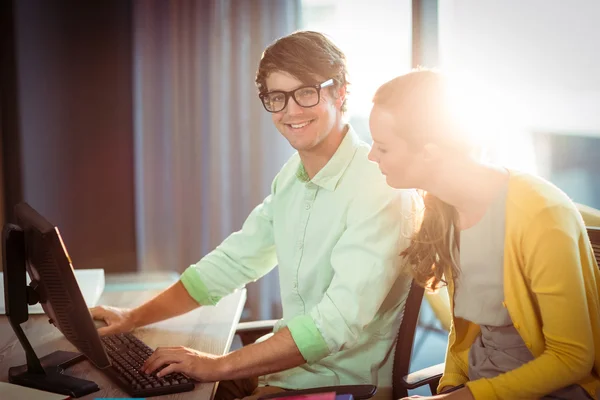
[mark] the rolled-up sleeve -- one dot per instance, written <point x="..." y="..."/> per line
<point x="366" y="264"/>
<point x="243" y="257"/>
<point x="308" y="338"/>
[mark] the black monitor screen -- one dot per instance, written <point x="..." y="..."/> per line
<point x="51" y="273"/>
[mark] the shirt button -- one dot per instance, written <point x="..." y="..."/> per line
<point x="504" y="304"/>
<point x="307" y="206"/>
<point x="295" y="285"/>
<point x="300" y="246"/>
<point x="517" y="326"/>
<point x="528" y="345"/>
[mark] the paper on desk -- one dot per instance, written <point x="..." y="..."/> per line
<point x="15" y="392"/>
<point x="90" y="281"/>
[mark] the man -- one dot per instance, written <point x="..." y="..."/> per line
<point x="332" y="225"/>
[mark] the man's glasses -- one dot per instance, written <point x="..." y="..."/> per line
<point x="305" y="96"/>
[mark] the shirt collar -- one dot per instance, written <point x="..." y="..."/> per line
<point x="329" y="176"/>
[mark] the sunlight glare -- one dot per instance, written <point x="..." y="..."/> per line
<point x="492" y="120"/>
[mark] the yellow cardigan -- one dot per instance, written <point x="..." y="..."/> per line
<point x="551" y="291"/>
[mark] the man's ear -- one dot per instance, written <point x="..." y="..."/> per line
<point x="340" y="96"/>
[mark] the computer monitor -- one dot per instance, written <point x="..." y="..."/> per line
<point x="34" y="246"/>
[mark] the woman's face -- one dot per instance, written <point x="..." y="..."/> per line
<point x="402" y="165"/>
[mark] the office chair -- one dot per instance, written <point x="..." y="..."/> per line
<point x="431" y="376"/>
<point x="590" y="215"/>
<point x="594" y="234"/>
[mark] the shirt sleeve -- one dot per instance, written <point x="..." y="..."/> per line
<point x="553" y="256"/>
<point x="454" y="368"/>
<point x="366" y="265"/>
<point x="243" y="257"/>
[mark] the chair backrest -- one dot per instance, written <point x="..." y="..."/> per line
<point x="594" y="235"/>
<point x="405" y="339"/>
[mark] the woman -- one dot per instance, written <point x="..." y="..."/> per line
<point x="511" y="247"/>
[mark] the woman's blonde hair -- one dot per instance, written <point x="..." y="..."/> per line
<point x="421" y="94"/>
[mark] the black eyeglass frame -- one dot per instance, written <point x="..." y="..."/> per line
<point x="292" y="93"/>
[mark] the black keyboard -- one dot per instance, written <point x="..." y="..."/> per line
<point x="127" y="355"/>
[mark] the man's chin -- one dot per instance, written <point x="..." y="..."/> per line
<point x="301" y="146"/>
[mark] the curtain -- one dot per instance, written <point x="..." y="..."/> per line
<point x="205" y="149"/>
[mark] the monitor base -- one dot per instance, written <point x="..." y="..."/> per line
<point x="54" y="379"/>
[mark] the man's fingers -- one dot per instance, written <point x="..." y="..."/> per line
<point x="168" y="369"/>
<point x="155" y="362"/>
<point x="159" y="362"/>
<point x="108" y="330"/>
<point x="159" y="352"/>
<point x="98" y="312"/>
<point x="150" y="360"/>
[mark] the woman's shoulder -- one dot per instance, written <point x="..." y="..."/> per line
<point x="532" y="198"/>
<point x="533" y="192"/>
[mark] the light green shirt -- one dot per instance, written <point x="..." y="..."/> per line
<point x="336" y="239"/>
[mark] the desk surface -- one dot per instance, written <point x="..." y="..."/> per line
<point x="209" y="329"/>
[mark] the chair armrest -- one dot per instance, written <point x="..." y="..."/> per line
<point x="252" y="326"/>
<point x="427" y="376"/>
<point x="249" y="332"/>
<point x="358" y="392"/>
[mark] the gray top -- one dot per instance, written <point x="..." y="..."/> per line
<point x="500" y="349"/>
<point x="481" y="265"/>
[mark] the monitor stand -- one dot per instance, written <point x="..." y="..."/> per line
<point x="51" y="377"/>
<point x="46" y="373"/>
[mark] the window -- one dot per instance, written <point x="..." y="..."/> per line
<point x="376" y="38"/>
<point x="535" y="56"/>
<point x="571" y="162"/>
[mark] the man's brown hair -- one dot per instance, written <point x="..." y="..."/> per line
<point x="308" y="56"/>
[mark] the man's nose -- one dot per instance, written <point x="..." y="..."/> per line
<point x="293" y="108"/>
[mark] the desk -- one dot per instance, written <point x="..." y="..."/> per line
<point x="209" y="329"/>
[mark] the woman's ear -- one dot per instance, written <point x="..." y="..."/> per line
<point x="431" y="153"/>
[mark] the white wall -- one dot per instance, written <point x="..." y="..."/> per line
<point x="544" y="53"/>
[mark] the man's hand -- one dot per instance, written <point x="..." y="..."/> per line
<point x="277" y="353"/>
<point x="170" y="303"/>
<point x="199" y="366"/>
<point x="118" y="320"/>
